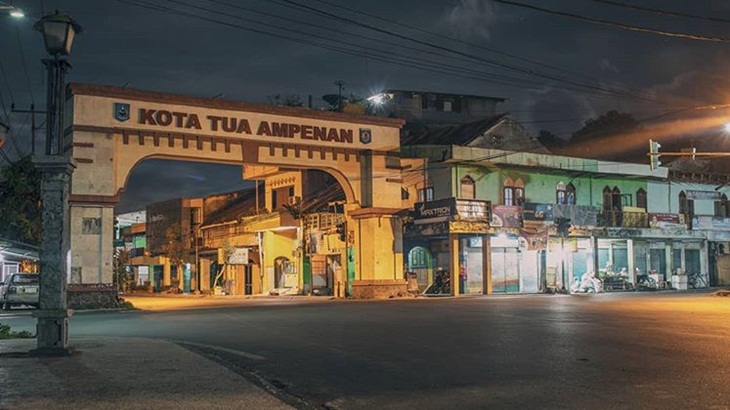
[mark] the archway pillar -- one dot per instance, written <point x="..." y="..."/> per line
<point x="377" y="237"/>
<point x="92" y="236"/>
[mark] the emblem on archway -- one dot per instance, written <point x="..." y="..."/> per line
<point x="366" y="136"/>
<point x="121" y="112"/>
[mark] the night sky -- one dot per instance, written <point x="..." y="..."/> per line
<point x="579" y="69"/>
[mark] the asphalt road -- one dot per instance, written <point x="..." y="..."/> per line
<point x="617" y="351"/>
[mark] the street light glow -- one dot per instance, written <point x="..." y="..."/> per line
<point x="17" y="13"/>
<point x="726" y="127"/>
<point x="377" y="99"/>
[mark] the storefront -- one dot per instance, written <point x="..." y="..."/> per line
<point x="447" y="243"/>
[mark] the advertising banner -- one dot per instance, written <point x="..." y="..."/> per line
<point x="504" y="216"/>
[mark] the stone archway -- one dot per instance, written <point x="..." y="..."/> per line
<point x="112" y="129"/>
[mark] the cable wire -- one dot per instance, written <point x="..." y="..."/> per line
<point x="663" y="12"/>
<point x="616" y="24"/>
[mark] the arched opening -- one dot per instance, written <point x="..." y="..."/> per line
<point x="420" y="263"/>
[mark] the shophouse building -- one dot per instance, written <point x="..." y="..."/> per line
<point x="555" y="218"/>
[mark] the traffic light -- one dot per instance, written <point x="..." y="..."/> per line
<point x="654" y="161"/>
<point x="342" y="231"/>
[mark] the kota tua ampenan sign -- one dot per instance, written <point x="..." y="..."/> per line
<point x="187" y="121"/>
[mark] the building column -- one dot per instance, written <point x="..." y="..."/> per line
<point x="454" y="263"/>
<point x="52" y="315"/>
<point x="594" y="244"/>
<point x="631" y="261"/>
<point x="487" y="264"/>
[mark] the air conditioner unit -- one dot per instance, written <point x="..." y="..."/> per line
<point x="295" y="200"/>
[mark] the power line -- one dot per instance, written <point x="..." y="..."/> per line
<point x="425" y="65"/>
<point x="616" y="24"/>
<point x="25" y="65"/>
<point x="664" y="12"/>
<point x="457" y="52"/>
<point x="471" y="44"/>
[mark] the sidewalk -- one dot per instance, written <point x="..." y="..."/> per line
<point x="123" y="373"/>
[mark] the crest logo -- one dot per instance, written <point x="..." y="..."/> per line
<point x="366" y="136"/>
<point x="121" y="112"/>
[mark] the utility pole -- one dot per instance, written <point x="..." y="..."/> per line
<point x="340" y="87"/>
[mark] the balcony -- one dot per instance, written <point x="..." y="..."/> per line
<point x="622" y="219"/>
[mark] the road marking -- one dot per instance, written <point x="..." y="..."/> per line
<point x="247" y="355"/>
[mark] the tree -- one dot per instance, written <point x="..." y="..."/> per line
<point x="608" y="124"/>
<point x="611" y="136"/>
<point x="20" y="202"/>
<point x="286" y="100"/>
<point x="174" y="247"/>
<point x="121" y="262"/>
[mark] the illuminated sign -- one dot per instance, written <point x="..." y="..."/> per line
<point x="240" y="125"/>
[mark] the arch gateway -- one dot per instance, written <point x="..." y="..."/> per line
<point x="112" y="129"/>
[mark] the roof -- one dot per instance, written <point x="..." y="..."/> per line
<point x="392" y="91"/>
<point x="242" y="205"/>
<point x="11" y="250"/>
<point x="453" y="135"/>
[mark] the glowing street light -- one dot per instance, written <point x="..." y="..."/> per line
<point x="14" y="12"/>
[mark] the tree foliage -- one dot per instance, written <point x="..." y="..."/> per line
<point x="610" y="123"/>
<point x="285" y="100"/>
<point x="20" y="202"/>
<point x="121" y="262"/>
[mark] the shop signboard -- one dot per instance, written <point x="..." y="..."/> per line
<point x="537" y="212"/>
<point x="535" y="216"/>
<point x="434" y="211"/>
<point x="706" y="195"/>
<point x="238" y="256"/>
<point x="710" y="223"/>
<point x="451" y="209"/>
<point x="505" y="216"/>
<point x="472" y="209"/>
<point x="474" y="227"/>
<point x="666" y="221"/>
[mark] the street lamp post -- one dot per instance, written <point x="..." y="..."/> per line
<point x="56" y="168"/>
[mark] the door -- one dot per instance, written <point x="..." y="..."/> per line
<point x="505" y="270"/>
<point x="248" y="279"/>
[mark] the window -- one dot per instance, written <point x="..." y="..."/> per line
<point x="721" y="206"/>
<point x="686" y="206"/>
<point x="404" y="194"/>
<point x="607" y="199"/>
<point x="513" y="192"/>
<point x="467" y="188"/>
<point x="641" y="198"/>
<point x="616" y="203"/>
<point x="447" y="106"/>
<point x="570" y="194"/>
<point x="560" y="193"/>
<point x="425" y="194"/>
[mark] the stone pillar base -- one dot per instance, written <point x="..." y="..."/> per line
<point x="379" y="289"/>
<point x="52" y="332"/>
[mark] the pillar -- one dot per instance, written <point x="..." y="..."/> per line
<point x="487" y="264"/>
<point x="454" y="263"/>
<point x="632" y="264"/>
<point x="52" y="315"/>
<point x="204" y="274"/>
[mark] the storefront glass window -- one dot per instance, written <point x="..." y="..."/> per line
<point x="676" y="260"/>
<point x="692" y="260"/>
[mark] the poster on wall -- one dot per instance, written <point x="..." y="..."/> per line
<point x="505" y="216"/>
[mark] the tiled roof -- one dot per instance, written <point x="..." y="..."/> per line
<point x="453" y="135"/>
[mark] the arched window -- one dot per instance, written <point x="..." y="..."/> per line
<point x="560" y="194"/>
<point x="513" y="192"/>
<point x="641" y="198"/>
<point x="686" y="206"/>
<point x="607" y="199"/>
<point x="467" y="190"/>
<point x="570" y="194"/>
<point x="616" y="199"/>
